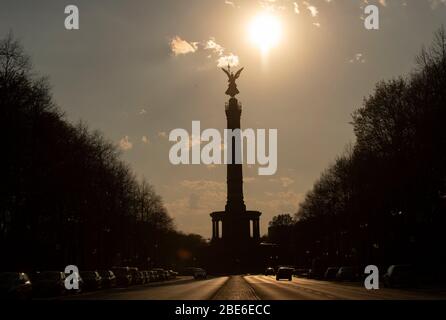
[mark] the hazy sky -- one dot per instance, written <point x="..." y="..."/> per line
<point x="119" y="74"/>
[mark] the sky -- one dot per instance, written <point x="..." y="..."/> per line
<point x="135" y="70"/>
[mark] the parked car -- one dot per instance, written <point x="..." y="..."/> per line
<point x="153" y="276"/>
<point x="108" y="278"/>
<point x="284" y="273"/>
<point x="136" y="276"/>
<point x="188" y="271"/>
<point x="347" y="274"/>
<point x="49" y="283"/>
<point x="270" y="271"/>
<point x="146" y="275"/>
<point x="200" y="273"/>
<point x="123" y="276"/>
<point x="81" y="284"/>
<point x="173" y="274"/>
<point x="143" y="277"/>
<point x="331" y="272"/>
<point x="316" y="273"/>
<point x="160" y="273"/>
<point x="400" y="276"/>
<point x="92" y="280"/>
<point x="15" y="285"/>
<point x="302" y="272"/>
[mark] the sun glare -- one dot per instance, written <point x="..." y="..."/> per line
<point x="265" y="31"/>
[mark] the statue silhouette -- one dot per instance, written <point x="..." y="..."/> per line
<point x="232" y="88"/>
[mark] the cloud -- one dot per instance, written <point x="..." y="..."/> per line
<point x="145" y="140"/>
<point x="296" y="8"/>
<point x="436" y="3"/>
<point x="284" y="181"/>
<point x="273" y="203"/>
<point x="193" y="201"/>
<point x="223" y="60"/>
<point x="214" y="46"/>
<point x="125" y="144"/>
<point x="201" y="185"/>
<point x="196" y="198"/>
<point x="313" y="10"/>
<point x="231" y="60"/>
<point x="180" y="46"/>
<point x="358" y="58"/>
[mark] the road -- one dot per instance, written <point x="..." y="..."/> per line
<point x="184" y="288"/>
<point x="267" y="288"/>
<point x="254" y="288"/>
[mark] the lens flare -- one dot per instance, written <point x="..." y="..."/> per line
<point x="265" y="31"/>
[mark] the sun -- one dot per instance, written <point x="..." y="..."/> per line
<point x="265" y="31"/>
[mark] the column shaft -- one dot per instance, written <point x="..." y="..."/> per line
<point x="213" y="230"/>
<point x="256" y="231"/>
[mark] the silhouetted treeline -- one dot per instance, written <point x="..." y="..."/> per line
<point x="66" y="197"/>
<point x="384" y="200"/>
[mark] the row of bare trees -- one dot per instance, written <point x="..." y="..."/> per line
<point x="66" y="197"/>
<point x="384" y="200"/>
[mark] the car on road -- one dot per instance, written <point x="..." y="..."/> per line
<point x="136" y="276"/>
<point x="302" y="272"/>
<point x="161" y="274"/>
<point x="347" y="274"/>
<point x="15" y="285"/>
<point x="146" y="275"/>
<point x="49" y="283"/>
<point x="400" y="276"/>
<point x="143" y="277"/>
<point x="330" y="273"/>
<point x="316" y="272"/>
<point x="200" y="273"/>
<point x="92" y="280"/>
<point x="108" y="278"/>
<point x="123" y="276"/>
<point x="270" y="271"/>
<point x="173" y="274"/>
<point x="284" y="273"/>
<point x="188" y="271"/>
<point x="80" y="284"/>
<point x="153" y="276"/>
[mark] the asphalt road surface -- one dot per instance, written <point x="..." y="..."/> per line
<point x="184" y="288"/>
<point x="255" y="288"/>
<point x="267" y="288"/>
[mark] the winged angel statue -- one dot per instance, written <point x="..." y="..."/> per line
<point x="232" y="88"/>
